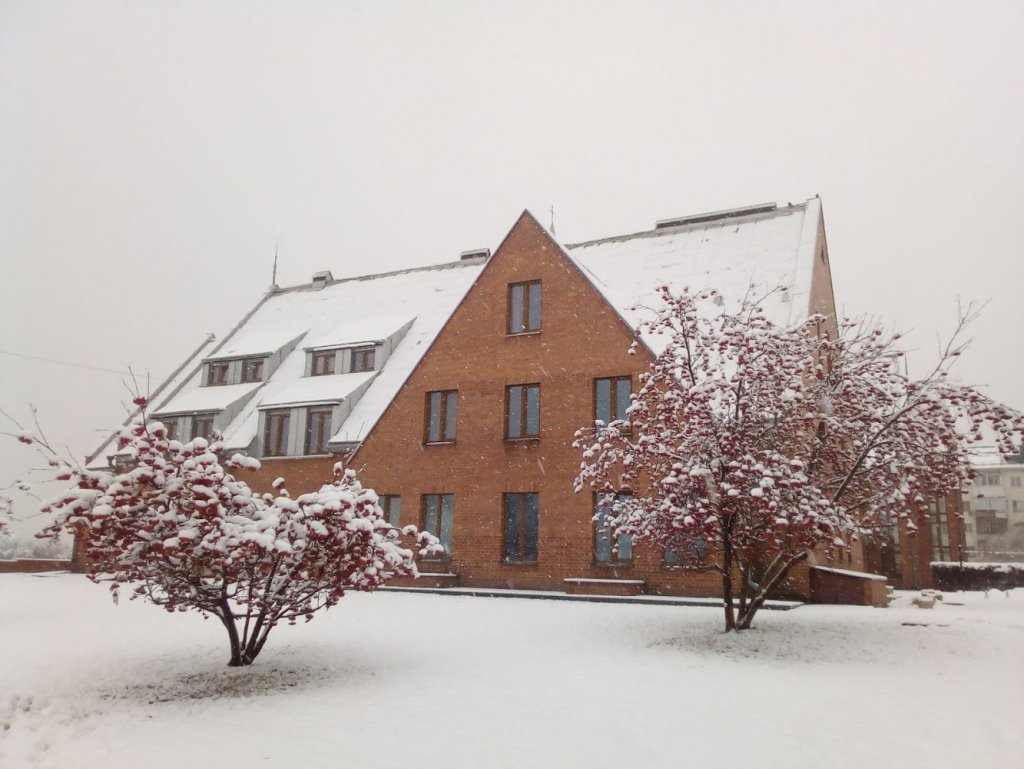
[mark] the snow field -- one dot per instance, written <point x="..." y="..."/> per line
<point x="419" y="680"/>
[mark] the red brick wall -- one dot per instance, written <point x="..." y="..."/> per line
<point x="22" y="565"/>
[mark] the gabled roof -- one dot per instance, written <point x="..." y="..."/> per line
<point x="756" y="249"/>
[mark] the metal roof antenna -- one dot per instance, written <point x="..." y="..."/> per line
<point x="273" y="276"/>
<point x="552" y="218"/>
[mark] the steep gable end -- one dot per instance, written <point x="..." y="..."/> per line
<point x="531" y="318"/>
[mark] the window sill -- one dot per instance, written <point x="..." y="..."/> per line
<point x="612" y="564"/>
<point x="533" y="332"/>
<point x="506" y="562"/>
<point x="528" y="439"/>
<point x="438" y="443"/>
<point x="435" y="560"/>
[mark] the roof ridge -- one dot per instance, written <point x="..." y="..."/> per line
<point x="726" y="218"/>
<point x="469" y="262"/>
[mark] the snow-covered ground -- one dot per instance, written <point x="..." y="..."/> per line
<point x="406" y="680"/>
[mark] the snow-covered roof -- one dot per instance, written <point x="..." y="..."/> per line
<point x="764" y="247"/>
<point x="316" y="389"/>
<point x="757" y="252"/>
<point x="364" y="329"/>
<point x="253" y="341"/>
<point x="206" y="399"/>
<point x="178" y="379"/>
<point x="344" y="312"/>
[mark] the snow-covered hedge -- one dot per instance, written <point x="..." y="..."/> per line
<point x="950" y="575"/>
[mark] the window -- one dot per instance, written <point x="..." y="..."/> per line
<point x="362" y="359"/>
<point x="252" y="370"/>
<point x="318" y="430"/>
<point x="217" y="374"/>
<point x="521" y="512"/>
<point x="322" y="363"/>
<point x="437" y="518"/>
<point x="604" y="552"/>
<point x="171" y="425"/>
<point x="684" y="552"/>
<point x="939" y="532"/>
<point x="611" y="398"/>
<point x="1018" y="506"/>
<point x="442" y="409"/>
<point x="391" y="505"/>
<point x="275" y="434"/>
<point x="524" y="307"/>
<point x="202" y="426"/>
<point x="988" y="523"/>
<point x="1015" y="481"/>
<point x="522" y="411"/>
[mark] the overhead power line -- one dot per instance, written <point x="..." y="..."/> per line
<point x="123" y="372"/>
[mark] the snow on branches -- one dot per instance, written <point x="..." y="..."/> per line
<point x="177" y="528"/>
<point x="764" y="442"/>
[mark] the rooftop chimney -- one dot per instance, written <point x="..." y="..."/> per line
<point x="321" y="279"/>
<point x="476" y="253"/>
<point x="729" y="213"/>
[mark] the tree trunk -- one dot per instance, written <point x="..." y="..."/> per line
<point x="227" y="617"/>
<point x="747" y="616"/>
<point x="730" y="614"/>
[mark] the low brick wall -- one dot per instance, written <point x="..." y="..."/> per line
<point x="24" y="565"/>
<point x="847" y="587"/>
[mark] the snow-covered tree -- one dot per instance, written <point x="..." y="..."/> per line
<point x="761" y="443"/>
<point x="176" y="527"/>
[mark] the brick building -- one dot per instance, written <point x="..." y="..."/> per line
<point x="456" y="390"/>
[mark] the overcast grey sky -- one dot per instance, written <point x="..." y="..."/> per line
<point x="152" y="152"/>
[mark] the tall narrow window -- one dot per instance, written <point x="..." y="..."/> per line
<point x="363" y="359"/>
<point x="522" y="411"/>
<point x="252" y="370"/>
<point x="318" y="430"/>
<point x="611" y="398"/>
<point x="442" y="410"/>
<point x="202" y="426"/>
<point x="275" y="434"/>
<point x="437" y="518"/>
<point x="217" y="374"/>
<point x="609" y="551"/>
<point x="939" y="532"/>
<point x="171" y="425"/>
<point x="521" y="513"/>
<point x="524" y="307"/>
<point x="322" y="363"/>
<point x="391" y="505"/>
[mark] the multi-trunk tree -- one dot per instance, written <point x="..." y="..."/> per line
<point x="175" y="526"/>
<point x="762" y="443"/>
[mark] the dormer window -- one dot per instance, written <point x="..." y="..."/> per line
<point x="217" y="374"/>
<point x="252" y="370"/>
<point x="275" y="434"/>
<point x="202" y="426"/>
<point x="363" y="359"/>
<point x="323" y="363"/>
